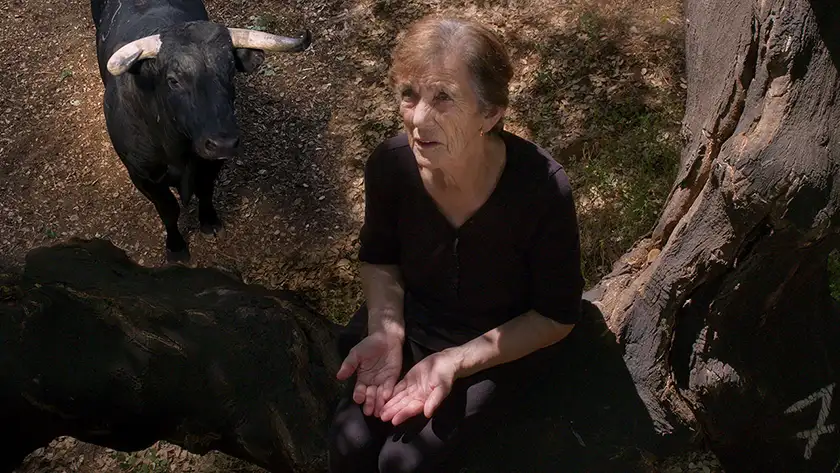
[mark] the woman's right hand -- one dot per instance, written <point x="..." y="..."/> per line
<point x="377" y="362"/>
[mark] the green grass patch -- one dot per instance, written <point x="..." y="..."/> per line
<point x="264" y="22"/>
<point x="623" y="178"/>
<point x="146" y="461"/>
<point x="616" y="132"/>
<point x="834" y="274"/>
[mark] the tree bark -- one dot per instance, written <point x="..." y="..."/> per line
<point x="724" y="313"/>
<point x="112" y="353"/>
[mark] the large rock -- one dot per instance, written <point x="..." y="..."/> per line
<point x="96" y="347"/>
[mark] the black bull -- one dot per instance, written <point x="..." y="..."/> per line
<point x="168" y="74"/>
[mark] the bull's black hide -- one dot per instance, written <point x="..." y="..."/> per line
<point x="169" y="99"/>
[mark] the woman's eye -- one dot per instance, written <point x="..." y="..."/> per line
<point x="407" y="94"/>
<point x="442" y="96"/>
<point x="173" y="81"/>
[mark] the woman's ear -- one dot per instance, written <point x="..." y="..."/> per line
<point x="493" y="116"/>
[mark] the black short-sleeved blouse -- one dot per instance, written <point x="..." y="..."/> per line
<point x="519" y="251"/>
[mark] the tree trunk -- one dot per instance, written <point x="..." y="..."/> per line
<point x="724" y="313"/>
<point x="101" y="349"/>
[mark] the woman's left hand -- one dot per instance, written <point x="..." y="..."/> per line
<point x="422" y="389"/>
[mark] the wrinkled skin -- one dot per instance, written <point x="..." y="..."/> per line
<point x="442" y="115"/>
<point x="171" y="118"/>
<point x="447" y="127"/>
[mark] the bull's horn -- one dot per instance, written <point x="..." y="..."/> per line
<point x="143" y="48"/>
<point x="252" y="39"/>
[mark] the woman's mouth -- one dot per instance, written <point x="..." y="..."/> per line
<point x="425" y="143"/>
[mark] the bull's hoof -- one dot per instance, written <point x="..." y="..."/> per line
<point x="212" y="229"/>
<point x="182" y="256"/>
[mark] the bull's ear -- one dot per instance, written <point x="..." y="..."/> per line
<point x="248" y="60"/>
<point x="145" y="67"/>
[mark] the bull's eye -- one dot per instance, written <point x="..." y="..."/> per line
<point x="173" y="82"/>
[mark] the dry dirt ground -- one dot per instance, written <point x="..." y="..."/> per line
<point x="598" y="83"/>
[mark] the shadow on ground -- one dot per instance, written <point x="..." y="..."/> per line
<point x="582" y="413"/>
<point x="606" y="100"/>
<point x="600" y="87"/>
<point x="607" y="103"/>
<point x="287" y="203"/>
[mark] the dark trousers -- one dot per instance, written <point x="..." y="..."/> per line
<point x="362" y="444"/>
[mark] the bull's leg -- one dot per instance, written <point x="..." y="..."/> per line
<point x="206" y="175"/>
<point x="168" y="211"/>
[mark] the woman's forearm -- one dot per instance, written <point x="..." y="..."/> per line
<point x="384" y="292"/>
<point x="510" y="341"/>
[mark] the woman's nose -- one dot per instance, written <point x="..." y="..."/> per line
<point x="421" y="114"/>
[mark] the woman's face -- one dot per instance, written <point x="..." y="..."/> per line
<point x="441" y="113"/>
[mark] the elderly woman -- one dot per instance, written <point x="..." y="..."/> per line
<point x="470" y="258"/>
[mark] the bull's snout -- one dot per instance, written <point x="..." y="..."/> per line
<point x="219" y="147"/>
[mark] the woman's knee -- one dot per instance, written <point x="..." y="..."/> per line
<point x="354" y="444"/>
<point x="419" y="445"/>
<point x="425" y="445"/>
<point x="348" y="437"/>
<point x="398" y="457"/>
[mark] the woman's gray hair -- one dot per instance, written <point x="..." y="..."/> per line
<point x="484" y="54"/>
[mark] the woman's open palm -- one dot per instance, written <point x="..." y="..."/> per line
<point x="422" y="390"/>
<point x="377" y="362"/>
